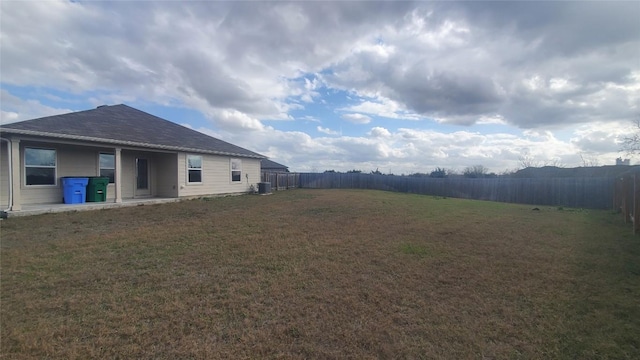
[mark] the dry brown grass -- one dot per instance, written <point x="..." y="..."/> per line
<point x="321" y="274"/>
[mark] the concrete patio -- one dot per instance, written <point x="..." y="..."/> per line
<point x="37" y="209"/>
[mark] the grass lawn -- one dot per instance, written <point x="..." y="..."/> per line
<point x="321" y="274"/>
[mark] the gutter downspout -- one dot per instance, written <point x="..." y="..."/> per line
<point x="10" y="156"/>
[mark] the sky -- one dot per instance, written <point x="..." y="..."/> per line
<point x="399" y="87"/>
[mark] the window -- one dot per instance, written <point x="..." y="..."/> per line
<point x="194" y="168"/>
<point x="108" y="166"/>
<point x="40" y="166"/>
<point x="236" y="170"/>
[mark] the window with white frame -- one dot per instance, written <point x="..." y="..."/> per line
<point x="236" y="170"/>
<point x="39" y="166"/>
<point x="194" y="169"/>
<point x="108" y="166"/>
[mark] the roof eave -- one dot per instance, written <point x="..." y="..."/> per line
<point x="123" y="142"/>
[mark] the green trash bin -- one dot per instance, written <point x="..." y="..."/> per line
<point x="97" y="189"/>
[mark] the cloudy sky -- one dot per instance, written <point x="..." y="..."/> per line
<point x="402" y="87"/>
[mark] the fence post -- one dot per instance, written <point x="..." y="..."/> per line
<point x="616" y="195"/>
<point x="636" y="204"/>
<point x="626" y="206"/>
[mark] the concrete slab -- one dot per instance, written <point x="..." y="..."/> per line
<point x="37" y="209"/>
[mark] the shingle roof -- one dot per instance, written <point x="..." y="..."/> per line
<point x="268" y="164"/>
<point x="124" y="125"/>
<point x="608" y="171"/>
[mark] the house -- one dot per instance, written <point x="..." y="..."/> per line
<point x="606" y="171"/>
<point x="271" y="166"/>
<point x="625" y="162"/>
<point x="142" y="155"/>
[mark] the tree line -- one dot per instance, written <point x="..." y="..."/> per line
<point x="476" y="171"/>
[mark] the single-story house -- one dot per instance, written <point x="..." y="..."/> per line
<point x="606" y="171"/>
<point x="271" y="166"/>
<point x="141" y="154"/>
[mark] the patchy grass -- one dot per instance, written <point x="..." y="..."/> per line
<point x="419" y="250"/>
<point x="321" y="274"/>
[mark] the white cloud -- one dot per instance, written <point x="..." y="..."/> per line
<point x="548" y="68"/>
<point x="601" y="139"/>
<point x="407" y="150"/>
<point x="382" y="107"/>
<point x="7" y="117"/>
<point x="17" y="109"/>
<point x="380" y="50"/>
<point x="327" y="131"/>
<point x="357" y="118"/>
<point x="310" y="118"/>
<point x="379" y="132"/>
<point x="458" y="63"/>
<point x="410" y="150"/>
<point x="491" y="120"/>
<point x="235" y="120"/>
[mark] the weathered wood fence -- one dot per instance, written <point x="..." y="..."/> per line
<point x="281" y="181"/>
<point x="592" y="193"/>
<point x="626" y="199"/>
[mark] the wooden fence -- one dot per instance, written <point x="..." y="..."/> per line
<point x="281" y="181"/>
<point x="592" y="193"/>
<point x="626" y="199"/>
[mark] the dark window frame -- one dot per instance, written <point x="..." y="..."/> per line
<point x="235" y="167"/>
<point x="112" y="175"/>
<point x="28" y="168"/>
<point x="195" y="173"/>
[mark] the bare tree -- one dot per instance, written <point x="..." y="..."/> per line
<point x="589" y="161"/>
<point x="554" y="162"/>
<point x="438" y="173"/>
<point x="631" y="143"/>
<point x="508" y="172"/>
<point x="476" y="171"/>
<point x="527" y="161"/>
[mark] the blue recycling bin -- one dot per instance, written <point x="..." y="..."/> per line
<point x="74" y="189"/>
